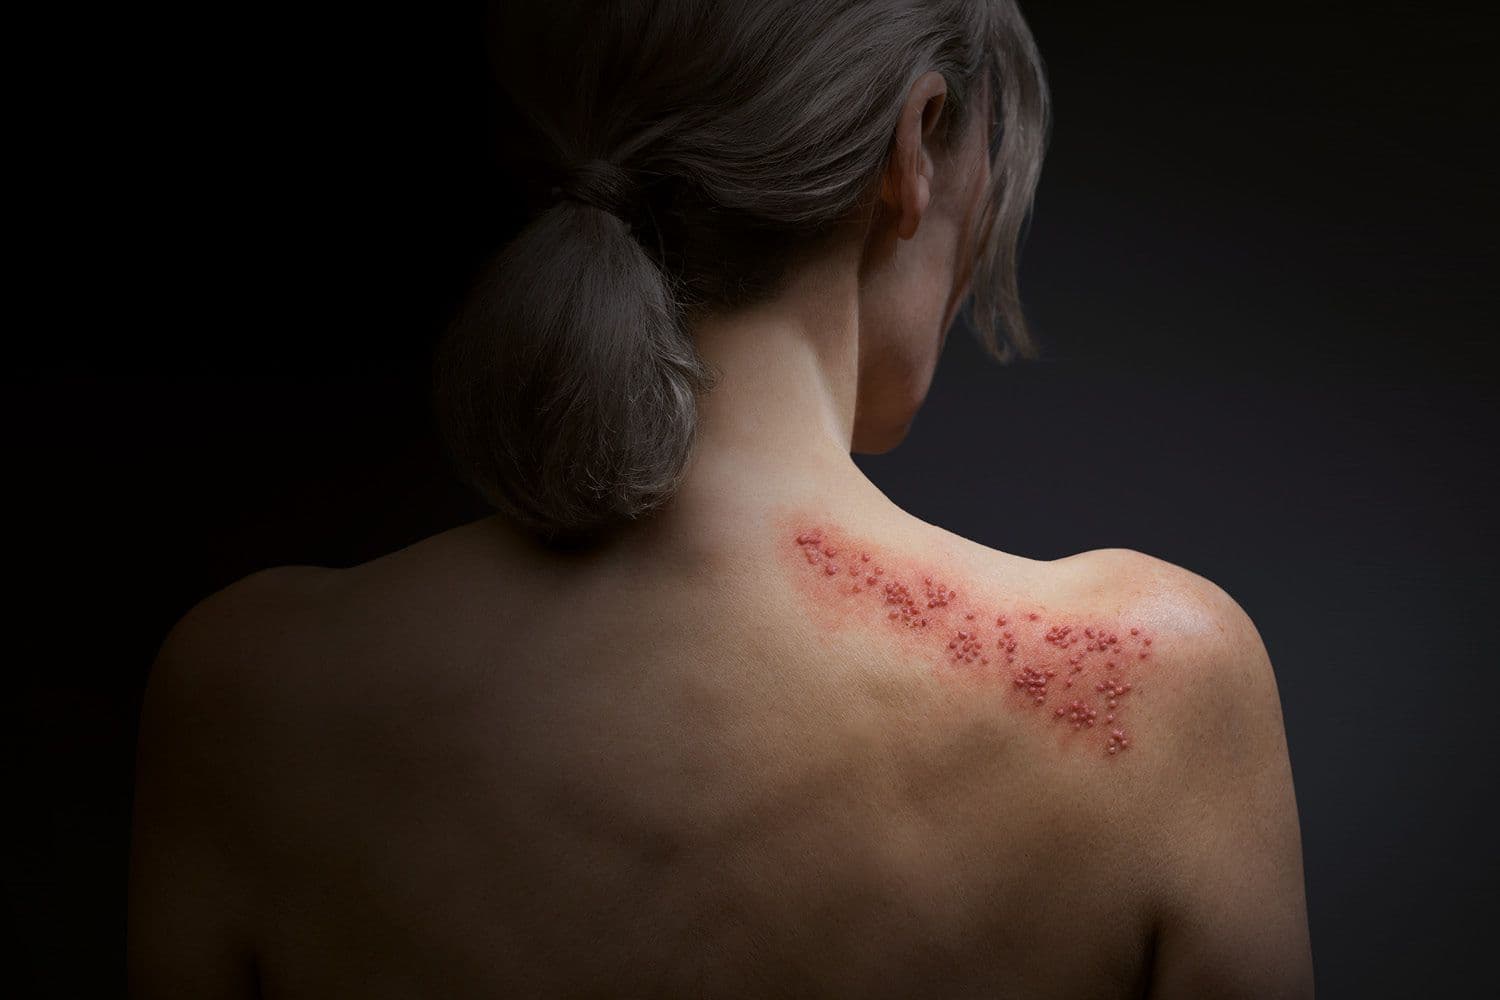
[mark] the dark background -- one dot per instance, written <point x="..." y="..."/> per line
<point x="1261" y="263"/>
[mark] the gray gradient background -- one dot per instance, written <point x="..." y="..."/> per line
<point x="1261" y="263"/>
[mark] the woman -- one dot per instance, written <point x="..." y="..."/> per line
<point x="699" y="712"/>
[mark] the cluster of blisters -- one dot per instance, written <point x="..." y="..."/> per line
<point x="1078" y="713"/>
<point x="903" y="607"/>
<point x="938" y="596"/>
<point x="1113" y="691"/>
<point x="1006" y="642"/>
<point x="818" y="551"/>
<point x="810" y="542"/>
<point x="1057" y="635"/>
<point x="965" y="647"/>
<point x="1033" y="683"/>
<point x="850" y="570"/>
<point x="1100" y="642"/>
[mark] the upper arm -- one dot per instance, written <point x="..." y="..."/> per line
<point x="189" y="923"/>
<point x="1231" y="917"/>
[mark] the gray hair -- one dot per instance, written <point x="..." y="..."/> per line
<point x="684" y="155"/>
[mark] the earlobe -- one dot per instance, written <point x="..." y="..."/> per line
<point x="912" y="186"/>
<point x="907" y="187"/>
<point x="913" y="210"/>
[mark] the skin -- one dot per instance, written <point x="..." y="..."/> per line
<point x="686" y="764"/>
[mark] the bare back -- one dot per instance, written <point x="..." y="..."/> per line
<point x="828" y="759"/>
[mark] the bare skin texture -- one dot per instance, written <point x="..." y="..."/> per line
<point x="695" y="762"/>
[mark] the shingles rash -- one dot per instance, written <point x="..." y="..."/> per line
<point x="1077" y="674"/>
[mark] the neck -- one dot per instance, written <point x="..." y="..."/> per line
<point x="777" y="426"/>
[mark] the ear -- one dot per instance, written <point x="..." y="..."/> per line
<point x="906" y="186"/>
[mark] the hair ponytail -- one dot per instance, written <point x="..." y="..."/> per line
<point x="566" y="388"/>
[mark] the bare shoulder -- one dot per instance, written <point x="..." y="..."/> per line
<point x="229" y="627"/>
<point x="1138" y="691"/>
<point x="277" y="589"/>
<point x="285" y="646"/>
<point x="1216" y="804"/>
<point x="294" y="637"/>
<point x="192" y="921"/>
<point x="1214" y="709"/>
<point x="1214" y="674"/>
<point x="1109" y="653"/>
<point x="1191" y="605"/>
<point x="222" y="662"/>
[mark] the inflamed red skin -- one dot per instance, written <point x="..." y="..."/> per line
<point x="1077" y="675"/>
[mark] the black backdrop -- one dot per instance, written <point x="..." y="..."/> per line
<point x="1261" y="262"/>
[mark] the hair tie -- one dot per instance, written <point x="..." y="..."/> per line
<point x="602" y="184"/>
